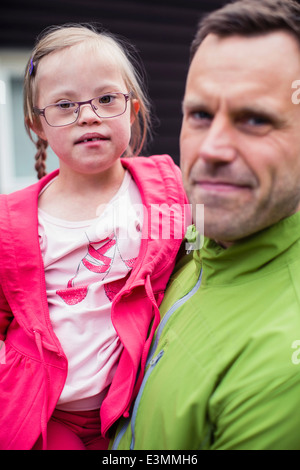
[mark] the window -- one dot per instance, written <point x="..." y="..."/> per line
<point x="16" y="149"/>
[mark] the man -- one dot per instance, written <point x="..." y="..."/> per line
<point x="224" y="370"/>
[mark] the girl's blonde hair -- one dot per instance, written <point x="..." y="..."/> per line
<point x="57" y="38"/>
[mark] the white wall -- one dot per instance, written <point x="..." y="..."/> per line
<point x="16" y="149"/>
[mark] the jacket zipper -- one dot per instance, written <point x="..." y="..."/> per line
<point x="151" y="363"/>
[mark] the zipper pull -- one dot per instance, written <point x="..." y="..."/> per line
<point x="155" y="359"/>
<point x="193" y="239"/>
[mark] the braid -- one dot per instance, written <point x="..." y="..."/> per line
<point x="40" y="157"/>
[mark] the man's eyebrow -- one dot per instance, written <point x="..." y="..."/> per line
<point x="193" y="103"/>
<point x="253" y="109"/>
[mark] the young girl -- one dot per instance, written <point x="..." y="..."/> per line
<point x="82" y="269"/>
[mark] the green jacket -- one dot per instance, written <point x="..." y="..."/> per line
<point x="224" y="370"/>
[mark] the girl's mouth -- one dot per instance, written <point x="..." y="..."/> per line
<point x="92" y="137"/>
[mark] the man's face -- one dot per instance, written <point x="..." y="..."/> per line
<point x="240" y="137"/>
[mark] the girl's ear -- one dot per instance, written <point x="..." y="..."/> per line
<point x="134" y="110"/>
<point x="36" y="127"/>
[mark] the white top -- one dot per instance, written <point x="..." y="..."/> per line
<point x="86" y="264"/>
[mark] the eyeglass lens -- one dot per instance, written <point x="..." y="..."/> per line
<point x="105" y="106"/>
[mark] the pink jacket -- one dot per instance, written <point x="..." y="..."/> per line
<point x="35" y="367"/>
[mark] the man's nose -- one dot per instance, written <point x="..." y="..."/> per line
<point x="218" y="145"/>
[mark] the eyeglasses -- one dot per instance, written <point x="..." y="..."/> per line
<point x="65" y="113"/>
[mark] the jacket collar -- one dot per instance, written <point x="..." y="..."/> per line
<point x="259" y="254"/>
<point x="161" y="193"/>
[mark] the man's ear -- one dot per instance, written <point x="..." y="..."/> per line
<point x="134" y="110"/>
<point x="36" y="126"/>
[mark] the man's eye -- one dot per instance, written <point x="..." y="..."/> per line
<point x="200" y="118"/>
<point x="201" y="115"/>
<point x="255" y="124"/>
<point x="256" y="121"/>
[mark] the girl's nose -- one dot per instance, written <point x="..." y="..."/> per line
<point x="87" y="115"/>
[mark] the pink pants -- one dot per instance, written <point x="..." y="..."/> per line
<point x="74" y="431"/>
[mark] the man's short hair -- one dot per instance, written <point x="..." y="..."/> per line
<point x="250" y="18"/>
